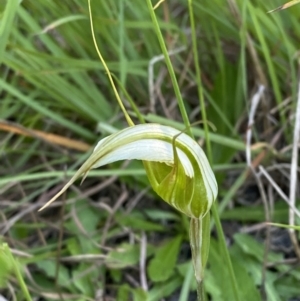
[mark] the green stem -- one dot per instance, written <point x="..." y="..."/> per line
<point x="209" y="153"/>
<point x="200" y="291"/>
<point x="170" y="69"/>
<point x="199" y="240"/>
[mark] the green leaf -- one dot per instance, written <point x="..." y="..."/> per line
<point x="219" y="275"/>
<point x="139" y="294"/>
<point x="247" y="287"/>
<point x="49" y="268"/>
<point x="162" y="290"/>
<point x="288" y="287"/>
<point x="87" y="219"/>
<point x="87" y="216"/>
<point x="256" y="214"/>
<point x="73" y="246"/>
<point x="251" y="264"/>
<point x="252" y="247"/>
<point x="162" y="266"/>
<point x="116" y="275"/>
<point x="123" y="292"/>
<point x="85" y="284"/>
<point x="219" y="271"/>
<point x="125" y="255"/>
<point x="137" y="221"/>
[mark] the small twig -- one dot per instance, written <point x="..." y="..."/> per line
<point x="278" y="189"/>
<point x="271" y="199"/>
<point x="122" y="198"/>
<point x="59" y="248"/>
<point x="134" y="201"/>
<point x="143" y="257"/>
<point x="52" y="139"/>
<point x="12" y="291"/>
<point x="284" y="104"/>
<point x="158" y="4"/>
<point x="284" y="6"/>
<point x="254" y="103"/>
<point x="83" y="258"/>
<point x="18" y="216"/>
<point x="167" y="109"/>
<point x="151" y="74"/>
<point x="253" y="228"/>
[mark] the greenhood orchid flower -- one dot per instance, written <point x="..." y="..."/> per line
<point x="178" y="172"/>
<point x="176" y="166"/>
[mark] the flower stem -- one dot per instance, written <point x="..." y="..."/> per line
<point x="209" y="152"/>
<point x="200" y="291"/>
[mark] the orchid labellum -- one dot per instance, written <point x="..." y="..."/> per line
<point x="177" y="169"/>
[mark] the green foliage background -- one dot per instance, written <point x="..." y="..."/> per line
<point x="52" y="81"/>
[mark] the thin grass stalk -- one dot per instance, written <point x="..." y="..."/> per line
<point x="293" y="175"/>
<point x="268" y="58"/>
<point x="128" y="119"/>
<point x="122" y="42"/>
<point x="199" y="81"/>
<point x="200" y="288"/>
<point x="6" y="25"/>
<point x="170" y="69"/>
<point x="243" y="37"/>
<point x="18" y="273"/>
<point x="189" y="277"/>
<point x="130" y="100"/>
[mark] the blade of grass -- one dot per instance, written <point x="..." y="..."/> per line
<point x="122" y="58"/>
<point x="6" y="24"/>
<point x="184" y="293"/>
<point x="284" y="6"/>
<point x="43" y="110"/>
<point x="268" y="58"/>
<point x="62" y="21"/>
<point x="128" y="119"/>
<point x="62" y="174"/>
<point x="18" y="273"/>
<point x="170" y="69"/>
<point x="285" y="226"/>
<point x="230" y="142"/>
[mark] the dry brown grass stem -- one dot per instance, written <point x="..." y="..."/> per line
<point x="293" y="175"/>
